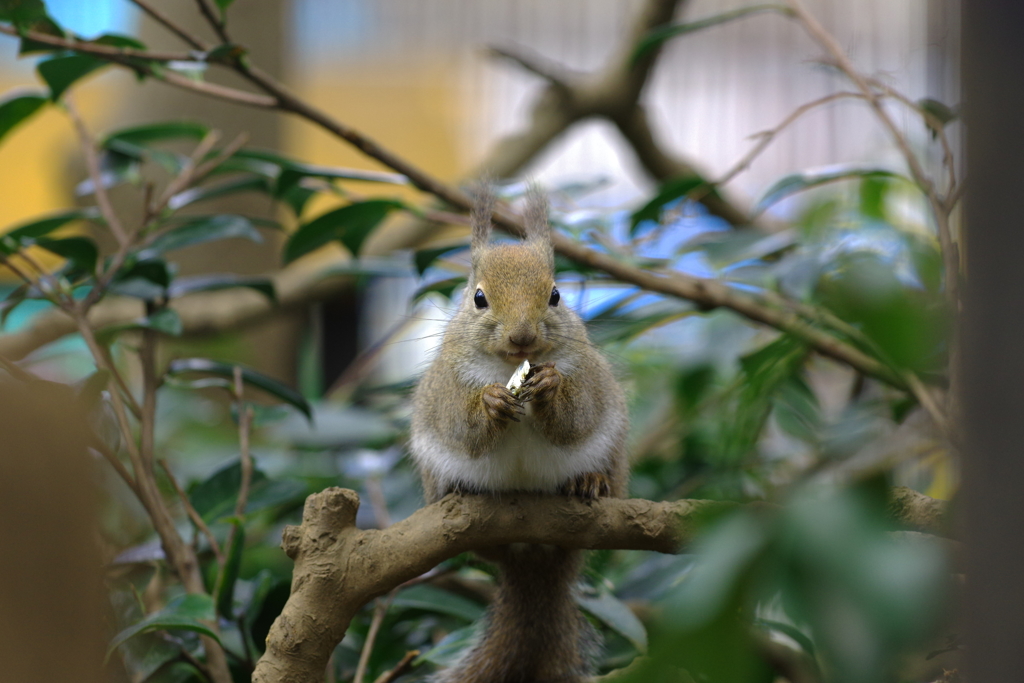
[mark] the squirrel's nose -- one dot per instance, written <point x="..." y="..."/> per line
<point x="523" y="337"/>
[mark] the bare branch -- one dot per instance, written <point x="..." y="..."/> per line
<point x="380" y="610"/>
<point x="192" y="513"/>
<point x="339" y="568"/>
<point x="399" y="669"/>
<point x="92" y="163"/>
<point x="174" y="28"/>
<point x="210" y="13"/>
<point x="97" y="49"/>
<point x="244" y="424"/>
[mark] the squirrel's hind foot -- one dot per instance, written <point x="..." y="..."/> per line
<point x="588" y="485"/>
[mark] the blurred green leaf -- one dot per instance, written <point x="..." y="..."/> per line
<point x="424" y="258"/>
<point x="447" y="652"/>
<point x="350" y="225"/>
<point x="149" y="133"/>
<point x="60" y="72"/>
<point x="667" y="193"/>
<point x="146" y="279"/>
<point x="81" y="252"/>
<point x="445" y="288"/>
<point x="659" y="35"/>
<point x="184" y="613"/>
<point x="798" y="182"/>
<point x="11" y="241"/>
<point x="16" y="108"/>
<point x="250" y="376"/>
<point x="203" y="229"/>
<point x="209" y="283"/>
<point x="230" y="187"/>
<point x="22" y="13"/>
<point x="438" y="601"/>
<point x="224" y="587"/>
<point x="614" y="614"/>
<point x="269" y="596"/>
<point x="223" y="5"/>
<point x="217" y="496"/>
<point x="165" y="320"/>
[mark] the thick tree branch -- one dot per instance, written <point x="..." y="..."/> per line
<point x="339" y="568"/>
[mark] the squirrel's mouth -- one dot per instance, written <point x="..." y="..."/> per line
<point x="518" y="355"/>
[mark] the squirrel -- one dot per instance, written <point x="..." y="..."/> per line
<point x="563" y="432"/>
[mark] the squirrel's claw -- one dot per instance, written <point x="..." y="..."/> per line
<point x="588" y="485"/>
<point x="500" y="405"/>
<point x="541" y="384"/>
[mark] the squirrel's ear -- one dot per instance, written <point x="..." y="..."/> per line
<point x="535" y="221"/>
<point x="480" y="218"/>
<point x="535" y="216"/>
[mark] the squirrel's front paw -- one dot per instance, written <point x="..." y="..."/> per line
<point x="500" y="405"/>
<point x="542" y="383"/>
<point x="588" y="485"/>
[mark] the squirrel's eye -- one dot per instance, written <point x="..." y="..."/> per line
<point x="479" y="299"/>
<point x="555" y="296"/>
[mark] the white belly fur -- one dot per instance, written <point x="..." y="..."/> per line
<point x="523" y="458"/>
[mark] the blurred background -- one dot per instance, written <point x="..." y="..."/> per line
<point x="722" y="407"/>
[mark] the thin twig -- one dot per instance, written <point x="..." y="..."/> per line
<point x="150" y="382"/>
<point x="116" y="463"/>
<point x="92" y="163"/>
<point x="380" y="610"/>
<point x="192" y="513"/>
<point x="169" y="24"/>
<point x="537" y="65"/>
<point x="874" y="98"/>
<point x="766" y="137"/>
<point x="215" y="22"/>
<point x="98" y="49"/>
<point x="16" y="371"/>
<point x="184" y="177"/>
<point x="244" y="423"/>
<point x="403" y="664"/>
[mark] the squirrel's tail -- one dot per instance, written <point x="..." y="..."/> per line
<point x="534" y="631"/>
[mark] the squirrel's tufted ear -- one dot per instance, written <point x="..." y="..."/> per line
<point x="535" y="216"/>
<point x="480" y="218"/>
<point x="535" y="221"/>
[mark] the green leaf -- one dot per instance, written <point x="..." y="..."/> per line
<point x="250" y="376"/>
<point x="350" y="225"/>
<point x="226" y="54"/>
<point x="12" y="301"/>
<point x="184" y="613"/>
<point x="450" y="648"/>
<point x="234" y="186"/>
<point x="438" y="601"/>
<point x="81" y="252"/>
<point x="669" y="192"/>
<point x="144" y="279"/>
<point x="798" y="182"/>
<point x="224" y="588"/>
<point x="165" y="320"/>
<point x="118" y="40"/>
<point x="223" y="5"/>
<point x="444" y="287"/>
<point x="614" y="614"/>
<point x="424" y="258"/>
<point x="802" y="639"/>
<point x="61" y="71"/>
<point x="217" y="496"/>
<point x="16" y="108"/>
<point x="14" y="238"/>
<point x="157" y="132"/>
<point x="659" y="35"/>
<point x="943" y="112"/>
<point x="22" y="13"/>
<point x="297" y="169"/>
<point x="208" y="283"/>
<point x="202" y="229"/>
